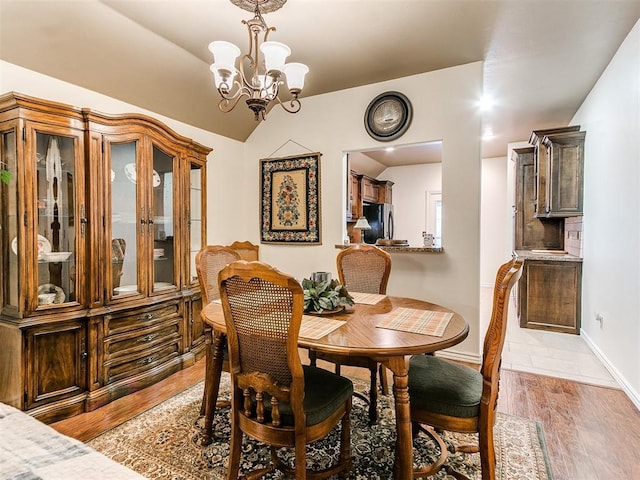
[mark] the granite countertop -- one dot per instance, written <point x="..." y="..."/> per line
<point x="401" y="248"/>
<point x="547" y="255"/>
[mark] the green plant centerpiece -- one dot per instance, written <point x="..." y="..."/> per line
<point x="322" y="296"/>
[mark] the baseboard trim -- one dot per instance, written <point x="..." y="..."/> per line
<point x="615" y="373"/>
<point x="460" y="356"/>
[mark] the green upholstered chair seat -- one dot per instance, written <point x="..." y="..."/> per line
<point x="439" y="386"/>
<point x="324" y="393"/>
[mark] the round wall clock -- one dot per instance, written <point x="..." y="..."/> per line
<point x="388" y="116"/>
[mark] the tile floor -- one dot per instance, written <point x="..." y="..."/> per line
<point x="548" y="353"/>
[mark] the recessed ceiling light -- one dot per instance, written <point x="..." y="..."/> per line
<point x="488" y="134"/>
<point x="486" y="103"/>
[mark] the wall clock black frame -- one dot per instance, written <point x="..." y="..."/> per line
<point x="388" y="116"/>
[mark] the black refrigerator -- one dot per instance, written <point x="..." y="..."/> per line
<point x="380" y="217"/>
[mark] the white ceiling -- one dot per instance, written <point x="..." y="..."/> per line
<point x="541" y="57"/>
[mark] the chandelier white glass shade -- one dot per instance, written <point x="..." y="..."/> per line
<point x="259" y="73"/>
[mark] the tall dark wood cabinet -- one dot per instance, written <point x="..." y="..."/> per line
<point x="99" y="227"/>
<point x="532" y="232"/>
<point x="549" y="189"/>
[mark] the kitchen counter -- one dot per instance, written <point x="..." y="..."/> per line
<point x="400" y="248"/>
<point x="547" y="256"/>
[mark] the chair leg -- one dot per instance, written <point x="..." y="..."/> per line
<point x="312" y="358"/>
<point x="301" y="459"/>
<point x="345" y="442"/>
<point x="487" y="452"/>
<point x="373" y="395"/>
<point x="235" y="449"/>
<point x="212" y="386"/>
<point x="208" y="367"/>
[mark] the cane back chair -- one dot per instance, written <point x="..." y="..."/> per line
<point x="276" y="400"/>
<point x="449" y="396"/>
<point x="364" y="269"/>
<point x="209" y="262"/>
<point x="247" y="250"/>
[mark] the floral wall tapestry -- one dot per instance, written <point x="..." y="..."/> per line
<point x="290" y="210"/>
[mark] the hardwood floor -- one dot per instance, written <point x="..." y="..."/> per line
<point x="89" y="425"/>
<point x="592" y="433"/>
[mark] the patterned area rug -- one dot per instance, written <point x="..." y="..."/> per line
<point x="161" y="443"/>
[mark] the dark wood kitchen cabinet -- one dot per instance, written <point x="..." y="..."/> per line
<point x="375" y="191"/>
<point x="549" y="295"/>
<point x="532" y="232"/>
<point x="370" y="189"/>
<point x="354" y="203"/>
<point x="565" y="185"/>
<point x="362" y="188"/>
<point x="100" y="223"/>
<point x="559" y="166"/>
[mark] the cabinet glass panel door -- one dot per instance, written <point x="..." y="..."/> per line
<point x="124" y="220"/>
<point x="9" y="261"/>
<point x="195" y="219"/>
<point x="162" y="221"/>
<point x="56" y="223"/>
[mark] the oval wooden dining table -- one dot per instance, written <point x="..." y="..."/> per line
<point x="359" y="335"/>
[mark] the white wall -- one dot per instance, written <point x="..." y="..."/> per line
<point x="444" y="105"/>
<point x="444" y="109"/>
<point x="611" y="271"/>
<point x="226" y="203"/>
<point x="495" y="247"/>
<point x="410" y="184"/>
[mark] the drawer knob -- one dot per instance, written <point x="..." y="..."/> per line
<point x="147" y="360"/>
<point x="148" y="316"/>
<point x="147" y="338"/>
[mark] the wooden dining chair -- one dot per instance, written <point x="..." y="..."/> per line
<point x="275" y="399"/>
<point x="209" y="262"/>
<point x="448" y="396"/>
<point x="364" y="269"/>
<point x="247" y="250"/>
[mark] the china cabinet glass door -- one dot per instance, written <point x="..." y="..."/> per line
<point x="57" y="222"/>
<point x="195" y="220"/>
<point x="125" y="207"/>
<point x="9" y="265"/>
<point x="161" y="221"/>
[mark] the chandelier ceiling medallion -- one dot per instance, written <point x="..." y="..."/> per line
<point x="258" y="79"/>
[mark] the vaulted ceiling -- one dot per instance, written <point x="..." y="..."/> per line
<point x="541" y="57"/>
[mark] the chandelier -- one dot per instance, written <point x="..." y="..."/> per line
<point x="257" y="79"/>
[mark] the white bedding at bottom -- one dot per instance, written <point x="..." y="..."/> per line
<point x="31" y="450"/>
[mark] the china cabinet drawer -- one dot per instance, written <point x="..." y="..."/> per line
<point x="129" y="365"/>
<point x="142" y="339"/>
<point x="128" y="321"/>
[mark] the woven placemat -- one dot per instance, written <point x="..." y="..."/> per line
<point x="315" y="328"/>
<point x="367" y="298"/>
<point x="426" y="322"/>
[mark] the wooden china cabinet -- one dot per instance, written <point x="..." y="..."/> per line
<point x="99" y="226"/>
